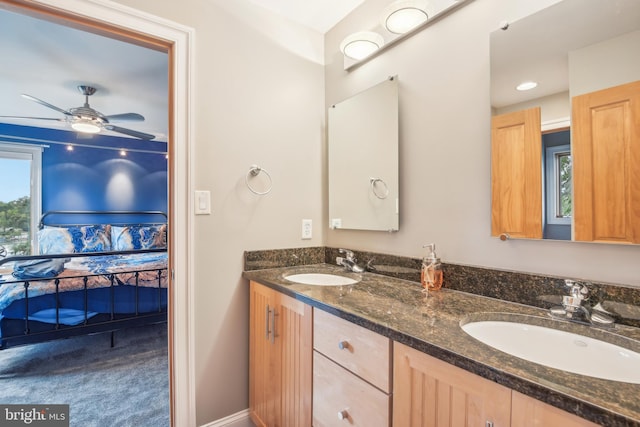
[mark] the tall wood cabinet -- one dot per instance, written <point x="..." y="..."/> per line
<point x="280" y="359"/>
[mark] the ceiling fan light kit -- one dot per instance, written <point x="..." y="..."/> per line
<point x="85" y="125"/>
<point x="87" y="120"/>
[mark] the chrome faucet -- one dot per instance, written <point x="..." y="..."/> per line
<point x="573" y="309"/>
<point x="349" y="261"/>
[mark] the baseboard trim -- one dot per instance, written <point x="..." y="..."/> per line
<point x="239" y="419"/>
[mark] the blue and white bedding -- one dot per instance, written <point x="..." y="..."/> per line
<point x="101" y="238"/>
<point x="150" y="269"/>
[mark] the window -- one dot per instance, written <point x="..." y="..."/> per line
<point x="20" y="202"/>
<point x="558" y="184"/>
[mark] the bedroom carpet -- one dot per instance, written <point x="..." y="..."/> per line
<point x="127" y="385"/>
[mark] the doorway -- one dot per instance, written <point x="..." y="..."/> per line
<point x="129" y="25"/>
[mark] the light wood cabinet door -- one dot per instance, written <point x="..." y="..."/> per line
<point x="516" y="174"/>
<point x="529" y="412"/>
<point x="606" y="164"/>
<point x="428" y="392"/>
<point x="280" y="359"/>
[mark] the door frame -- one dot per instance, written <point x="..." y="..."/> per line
<point x="134" y="26"/>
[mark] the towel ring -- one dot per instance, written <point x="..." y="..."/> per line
<point x="379" y="195"/>
<point x="254" y="171"/>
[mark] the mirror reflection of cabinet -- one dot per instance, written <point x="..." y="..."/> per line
<point x="573" y="48"/>
<point x="516" y="181"/>
<point x="363" y="160"/>
<point x="606" y="150"/>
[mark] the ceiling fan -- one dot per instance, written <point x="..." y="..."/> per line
<point x="87" y="120"/>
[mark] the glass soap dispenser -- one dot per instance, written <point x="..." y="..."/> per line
<point x="431" y="276"/>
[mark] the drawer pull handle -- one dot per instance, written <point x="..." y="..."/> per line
<point x="343" y="415"/>
<point x="342" y="345"/>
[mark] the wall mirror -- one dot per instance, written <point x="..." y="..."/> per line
<point x="363" y="160"/>
<point x="570" y="50"/>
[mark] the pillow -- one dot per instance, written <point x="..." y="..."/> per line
<point x="134" y="237"/>
<point x="38" y="268"/>
<point x="54" y="240"/>
<point x="85" y="238"/>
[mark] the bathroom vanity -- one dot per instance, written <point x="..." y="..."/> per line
<point x="380" y="353"/>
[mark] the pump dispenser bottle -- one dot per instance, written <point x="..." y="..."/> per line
<point x="431" y="275"/>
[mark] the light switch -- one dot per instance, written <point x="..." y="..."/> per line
<point x="203" y="202"/>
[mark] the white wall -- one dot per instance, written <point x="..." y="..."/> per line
<point x="552" y="108"/>
<point x="604" y="64"/>
<point x="443" y="75"/>
<point x="260" y="99"/>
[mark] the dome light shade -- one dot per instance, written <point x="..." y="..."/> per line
<point x="402" y="16"/>
<point x="361" y="44"/>
<point x="85" y="126"/>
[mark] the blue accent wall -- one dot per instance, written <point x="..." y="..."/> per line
<point x="97" y="178"/>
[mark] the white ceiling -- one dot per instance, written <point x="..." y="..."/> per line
<point x="48" y="61"/>
<point x="319" y="15"/>
<point x="536" y="47"/>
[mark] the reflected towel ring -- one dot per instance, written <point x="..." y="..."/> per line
<point x="379" y="195"/>
<point x="254" y="171"/>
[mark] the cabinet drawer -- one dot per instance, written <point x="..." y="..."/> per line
<point x="339" y="397"/>
<point x="360" y="350"/>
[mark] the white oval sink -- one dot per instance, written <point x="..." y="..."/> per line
<point x="320" y="279"/>
<point x="559" y="349"/>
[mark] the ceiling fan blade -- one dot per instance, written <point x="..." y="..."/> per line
<point x="130" y="132"/>
<point x="46" y="104"/>
<point x="126" y="117"/>
<point x="31" y="118"/>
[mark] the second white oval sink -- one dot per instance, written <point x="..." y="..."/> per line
<point x="320" y="279"/>
<point x="559" y="349"/>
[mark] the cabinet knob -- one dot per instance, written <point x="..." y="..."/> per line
<point x="343" y="415"/>
<point x="489" y="424"/>
<point x="343" y="345"/>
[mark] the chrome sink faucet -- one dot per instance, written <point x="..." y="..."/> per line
<point x="349" y="261"/>
<point x="572" y="307"/>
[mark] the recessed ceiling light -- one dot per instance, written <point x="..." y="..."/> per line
<point x="526" y="86"/>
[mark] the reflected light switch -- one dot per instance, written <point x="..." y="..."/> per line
<point x="203" y="202"/>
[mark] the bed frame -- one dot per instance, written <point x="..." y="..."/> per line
<point x="150" y="302"/>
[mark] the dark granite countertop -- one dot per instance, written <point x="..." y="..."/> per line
<point x="399" y="310"/>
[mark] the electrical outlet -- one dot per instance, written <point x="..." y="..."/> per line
<point x="307" y="228"/>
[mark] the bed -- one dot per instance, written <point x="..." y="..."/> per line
<point x="87" y="278"/>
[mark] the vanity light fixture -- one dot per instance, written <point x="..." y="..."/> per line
<point x="361" y="44"/>
<point x="402" y="16"/>
<point x="85" y="125"/>
<point x="69" y="147"/>
<point x="526" y="86"/>
<point x="123" y="153"/>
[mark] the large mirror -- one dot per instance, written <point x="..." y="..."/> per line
<point x="571" y="49"/>
<point x="363" y="160"/>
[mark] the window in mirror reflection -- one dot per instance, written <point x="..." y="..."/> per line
<point x="558" y="181"/>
